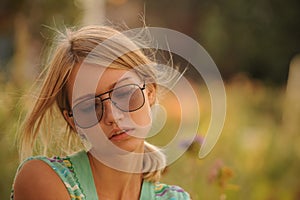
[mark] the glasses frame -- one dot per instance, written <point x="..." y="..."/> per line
<point x="70" y="113"/>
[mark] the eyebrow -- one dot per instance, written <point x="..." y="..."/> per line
<point x="91" y="95"/>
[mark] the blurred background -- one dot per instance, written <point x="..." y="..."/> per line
<point x="255" y="45"/>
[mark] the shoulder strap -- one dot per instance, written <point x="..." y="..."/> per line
<point x="147" y="192"/>
<point x="161" y="191"/>
<point x="84" y="174"/>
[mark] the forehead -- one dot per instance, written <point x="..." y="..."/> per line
<point x="93" y="79"/>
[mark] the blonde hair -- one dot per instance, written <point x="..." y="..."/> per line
<point x="38" y="133"/>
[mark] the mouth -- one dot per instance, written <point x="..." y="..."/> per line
<point x="120" y="134"/>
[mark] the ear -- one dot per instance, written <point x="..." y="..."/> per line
<point x="69" y="119"/>
<point x="151" y="93"/>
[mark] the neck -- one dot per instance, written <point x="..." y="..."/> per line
<point x="114" y="184"/>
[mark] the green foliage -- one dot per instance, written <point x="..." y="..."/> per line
<point x="254" y="158"/>
<point x="9" y="115"/>
<point x="256" y="37"/>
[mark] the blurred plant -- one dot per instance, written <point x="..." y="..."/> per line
<point x="220" y="174"/>
<point x="194" y="147"/>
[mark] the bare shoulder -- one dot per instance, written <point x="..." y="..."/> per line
<point x="37" y="180"/>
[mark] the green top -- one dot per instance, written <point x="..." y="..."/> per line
<point x="76" y="174"/>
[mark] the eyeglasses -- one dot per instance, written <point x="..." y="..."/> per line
<point x="127" y="98"/>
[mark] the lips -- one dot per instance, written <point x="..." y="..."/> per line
<point x="118" y="132"/>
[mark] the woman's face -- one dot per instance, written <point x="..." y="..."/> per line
<point x="124" y="129"/>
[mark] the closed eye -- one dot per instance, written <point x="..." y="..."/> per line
<point x="90" y="105"/>
<point x="124" y="92"/>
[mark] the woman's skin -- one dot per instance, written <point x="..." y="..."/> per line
<point x="36" y="180"/>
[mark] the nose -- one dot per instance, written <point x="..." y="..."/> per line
<point x="111" y="114"/>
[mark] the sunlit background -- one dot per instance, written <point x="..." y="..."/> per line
<point x="255" y="46"/>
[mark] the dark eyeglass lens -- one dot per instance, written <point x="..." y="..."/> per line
<point x="88" y="112"/>
<point x="128" y="98"/>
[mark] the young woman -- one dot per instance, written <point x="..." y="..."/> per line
<point x="103" y="89"/>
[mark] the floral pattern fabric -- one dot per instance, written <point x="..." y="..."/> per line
<point x="76" y="175"/>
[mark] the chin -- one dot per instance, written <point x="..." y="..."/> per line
<point x="131" y="145"/>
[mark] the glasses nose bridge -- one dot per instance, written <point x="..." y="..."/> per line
<point x="105" y="96"/>
<point x="111" y="112"/>
<point x="108" y="97"/>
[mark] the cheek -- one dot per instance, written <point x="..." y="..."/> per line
<point x="141" y="120"/>
<point x="142" y="117"/>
